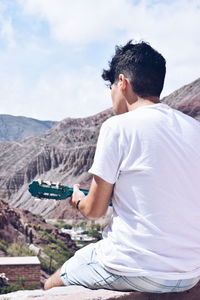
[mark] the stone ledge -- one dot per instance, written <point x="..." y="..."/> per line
<point x="81" y="293"/>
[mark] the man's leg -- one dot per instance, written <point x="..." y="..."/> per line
<point x="53" y="281"/>
<point x="82" y="269"/>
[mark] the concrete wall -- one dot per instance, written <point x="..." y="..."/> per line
<point x="81" y="293"/>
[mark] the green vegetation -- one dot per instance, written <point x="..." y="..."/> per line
<point x="19" y="285"/>
<point x="55" y="252"/>
<point x="3" y="246"/>
<point x="81" y="224"/>
<point x="19" y="249"/>
<point x="62" y="224"/>
<point x="15" y="249"/>
<point x="94" y="231"/>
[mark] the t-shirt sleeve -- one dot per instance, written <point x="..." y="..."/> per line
<point x="107" y="156"/>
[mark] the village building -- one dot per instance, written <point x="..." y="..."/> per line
<point x="25" y="269"/>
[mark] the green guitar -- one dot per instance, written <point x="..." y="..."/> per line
<point x="48" y="190"/>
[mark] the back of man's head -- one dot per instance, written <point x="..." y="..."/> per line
<point x="142" y="65"/>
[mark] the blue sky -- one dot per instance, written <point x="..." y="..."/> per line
<point x="52" y="52"/>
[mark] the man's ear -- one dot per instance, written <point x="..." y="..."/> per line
<point x="122" y="82"/>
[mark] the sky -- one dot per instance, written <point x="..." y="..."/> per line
<point x="52" y="52"/>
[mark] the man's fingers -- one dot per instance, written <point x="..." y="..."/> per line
<point x="77" y="195"/>
<point x="76" y="187"/>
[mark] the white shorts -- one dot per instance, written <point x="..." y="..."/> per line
<point x="85" y="270"/>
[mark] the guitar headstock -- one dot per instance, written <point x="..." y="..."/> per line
<point x="48" y="190"/>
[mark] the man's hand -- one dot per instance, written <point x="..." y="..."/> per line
<point x="95" y="204"/>
<point x="77" y="195"/>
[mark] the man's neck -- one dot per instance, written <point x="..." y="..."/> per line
<point x="143" y="102"/>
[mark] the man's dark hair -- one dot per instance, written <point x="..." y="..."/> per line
<point x="143" y="65"/>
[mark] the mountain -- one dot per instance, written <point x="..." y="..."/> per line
<point x="186" y="99"/>
<point x="64" y="154"/>
<point x="14" y="128"/>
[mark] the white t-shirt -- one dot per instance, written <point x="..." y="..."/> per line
<point x="152" y="155"/>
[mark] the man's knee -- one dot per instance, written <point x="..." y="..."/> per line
<point x="53" y="281"/>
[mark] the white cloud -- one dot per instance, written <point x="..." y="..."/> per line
<point x="173" y="27"/>
<point x="73" y="94"/>
<point x="35" y="87"/>
<point x="87" y="21"/>
<point x="7" y="33"/>
<point x="78" y="21"/>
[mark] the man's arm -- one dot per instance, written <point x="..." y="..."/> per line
<point x="95" y="204"/>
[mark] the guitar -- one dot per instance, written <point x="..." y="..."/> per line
<point x="48" y="190"/>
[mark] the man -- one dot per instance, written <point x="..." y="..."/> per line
<point x="148" y="162"/>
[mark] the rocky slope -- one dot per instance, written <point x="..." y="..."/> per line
<point x="14" y="223"/>
<point x="14" y="128"/>
<point x="64" y="154"/>
<point x="186" y="99"/>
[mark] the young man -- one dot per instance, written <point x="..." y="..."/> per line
<point x="148" y="162"/>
